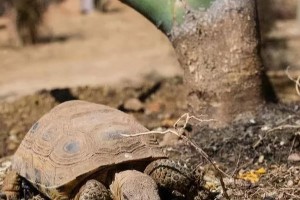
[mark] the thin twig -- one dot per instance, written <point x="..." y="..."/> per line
<point x="284" y="126"/>
<point x="296" y="81"/>
<point x="293" y="143"/>
<point x="188" y="118"/>
<point x="236" y="166"/>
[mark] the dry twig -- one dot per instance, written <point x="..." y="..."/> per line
<point x="296" y="81"/>
<point x="287" y="126"/>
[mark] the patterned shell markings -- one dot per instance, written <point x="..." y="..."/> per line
<point x="78" y="137"/>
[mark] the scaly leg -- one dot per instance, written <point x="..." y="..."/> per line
<point x="172" y="176"/>
<point x="93" y="190"/>
<point x="11" y="186"/>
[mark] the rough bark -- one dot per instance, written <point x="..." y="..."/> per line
<point x="219" y="52"/>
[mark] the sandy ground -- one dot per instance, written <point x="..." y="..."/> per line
<point x="96" y="49"/>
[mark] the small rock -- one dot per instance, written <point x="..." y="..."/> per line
<point x="261" y="159"/>
<point x="12" y="146"/>
<point x="295" y="157"/>
<point x="14" y="131"/>
<point x="12" y="138"/>
<point x="153" y="107"/>
<point x="168" y="122"/>
<point x="229" y="192"/>
<point x="265" y="128"/>
<point x="290" y="183"/>
<point x="169" y="139"/>
<point x="282" y="143"/>
<point x="133" y="104"/>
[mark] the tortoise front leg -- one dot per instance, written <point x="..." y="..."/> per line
<point x="93" y="190"/>
<point x="11" y="186"/>
<point x="133" y="185"/>
<point x="172" y="176"/>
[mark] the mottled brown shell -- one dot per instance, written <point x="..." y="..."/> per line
<point x="76" y="138"/>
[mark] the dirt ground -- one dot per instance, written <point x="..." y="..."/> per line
<point x="269" y="142"/>
<point x="92" y="64"/>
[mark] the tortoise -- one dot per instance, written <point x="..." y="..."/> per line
<point x="79" y="150"/>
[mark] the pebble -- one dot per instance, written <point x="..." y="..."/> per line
<point x="12" y="146"/>
<point x="13" y="138"/>
<point x="295" y="157"/>
<point x="261" y="159"/>
<point x="282" y="143"/>
<point x="290" y="183"/>
<point x="14" y="131"/>
<point x="169" y="139"/>
<point x="133" y="104"/>
<point x="265" y="128"/>
<point x="230" y="192"/>
<point x="153" y="107"/>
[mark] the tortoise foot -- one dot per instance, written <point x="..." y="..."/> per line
<point x="171" y="176"/>
<point x="93" y="190"/>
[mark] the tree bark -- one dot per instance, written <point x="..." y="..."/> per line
<point x="221" y="61"/>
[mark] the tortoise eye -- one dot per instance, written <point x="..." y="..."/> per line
<point x="72" y="147"/>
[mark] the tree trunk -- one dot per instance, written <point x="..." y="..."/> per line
<point x="217" y="45"/>
<point x="221" y="62"/>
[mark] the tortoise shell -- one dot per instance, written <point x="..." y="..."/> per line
<point x="76" y="139"/>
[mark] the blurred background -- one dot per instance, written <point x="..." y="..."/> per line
<point x="73" y="47"/>
<point x="48" y="44"/>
